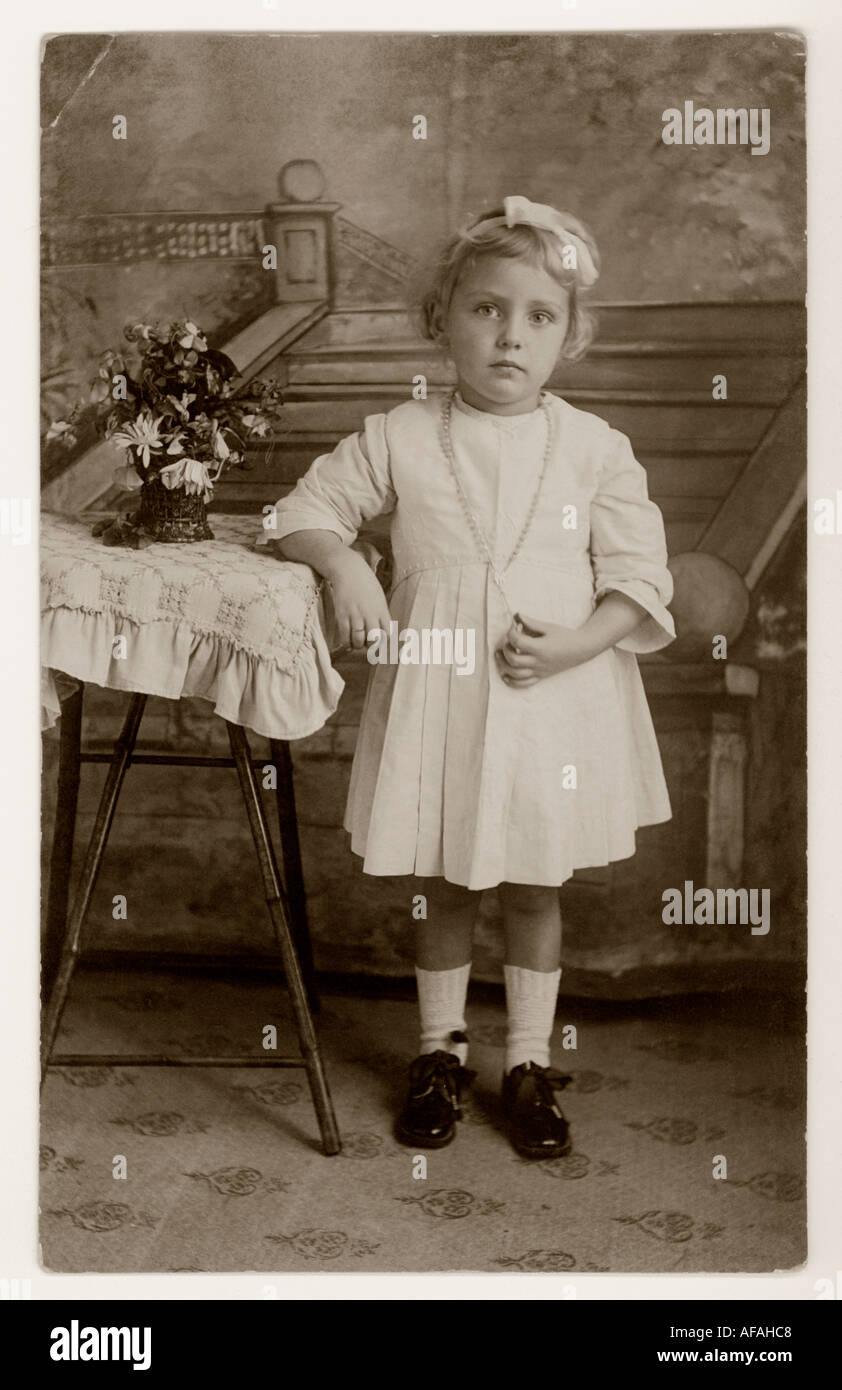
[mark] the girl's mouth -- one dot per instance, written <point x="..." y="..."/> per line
<point x="507" y="366"/>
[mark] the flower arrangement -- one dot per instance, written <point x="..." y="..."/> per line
<point x="182" y="416"/>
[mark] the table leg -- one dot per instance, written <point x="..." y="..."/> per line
<point x="293" y="875"/>
<point x="61" y="854"/>
<point x="93" y="859"/>
<point x="283" y="935"/>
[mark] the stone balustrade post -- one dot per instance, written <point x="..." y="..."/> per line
<point x="302" y="229"/>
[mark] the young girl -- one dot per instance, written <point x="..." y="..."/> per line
<point x="524" y="521"/>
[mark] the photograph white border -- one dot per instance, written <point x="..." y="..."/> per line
<point x="821" y="23"/>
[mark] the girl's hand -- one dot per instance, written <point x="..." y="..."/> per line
<point x="359" y="603"/>
<point x="538" y="649"/>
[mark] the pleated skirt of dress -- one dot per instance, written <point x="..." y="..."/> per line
<point x="463" y="777"/>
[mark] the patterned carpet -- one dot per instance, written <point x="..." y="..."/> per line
<point x="224" y="1170"/>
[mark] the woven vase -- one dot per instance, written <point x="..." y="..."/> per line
<point x="171" y="514"/>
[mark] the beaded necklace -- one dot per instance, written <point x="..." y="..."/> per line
<point x="473" y="522"/>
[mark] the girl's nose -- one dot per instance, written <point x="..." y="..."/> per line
<point x="510" y="335"/>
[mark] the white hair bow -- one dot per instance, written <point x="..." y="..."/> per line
<point x="518" y="209"/>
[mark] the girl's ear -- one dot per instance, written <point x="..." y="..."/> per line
<point x="438" y="326"/>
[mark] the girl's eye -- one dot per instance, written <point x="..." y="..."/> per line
<point x="540" y="316"/>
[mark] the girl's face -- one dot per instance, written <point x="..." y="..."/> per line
<point x="504" y="329"/>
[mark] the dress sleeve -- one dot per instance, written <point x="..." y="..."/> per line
<point x="340" y="490"/>
<point x="628" y="546"/>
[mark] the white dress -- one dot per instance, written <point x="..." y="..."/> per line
<point x="461" y="775"/>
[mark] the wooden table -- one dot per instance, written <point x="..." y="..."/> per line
<point x="221" y="620"/>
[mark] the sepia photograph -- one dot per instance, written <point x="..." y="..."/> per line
<point x="423" y="556"/>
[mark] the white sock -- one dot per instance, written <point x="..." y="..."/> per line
<point x="441" y="997"/>
<point x="531" y="997"/>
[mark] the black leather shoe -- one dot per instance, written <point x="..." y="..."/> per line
<point x="428" y="1119"/>
<point x="537" y="1127"/>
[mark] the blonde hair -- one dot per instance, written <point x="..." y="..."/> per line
<point x="432" y="287"/>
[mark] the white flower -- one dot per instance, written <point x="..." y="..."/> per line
<point x="181" y="406"/>
<point x="192" y="338"/>
<point x="220" y="448"/>
<point x="60" y="429"/>
<point x="141" y="434"/>
<point x="191" y="474"/>
<point x="258" y="424"/>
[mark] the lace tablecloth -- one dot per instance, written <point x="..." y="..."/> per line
<point x="217" y="619"/>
